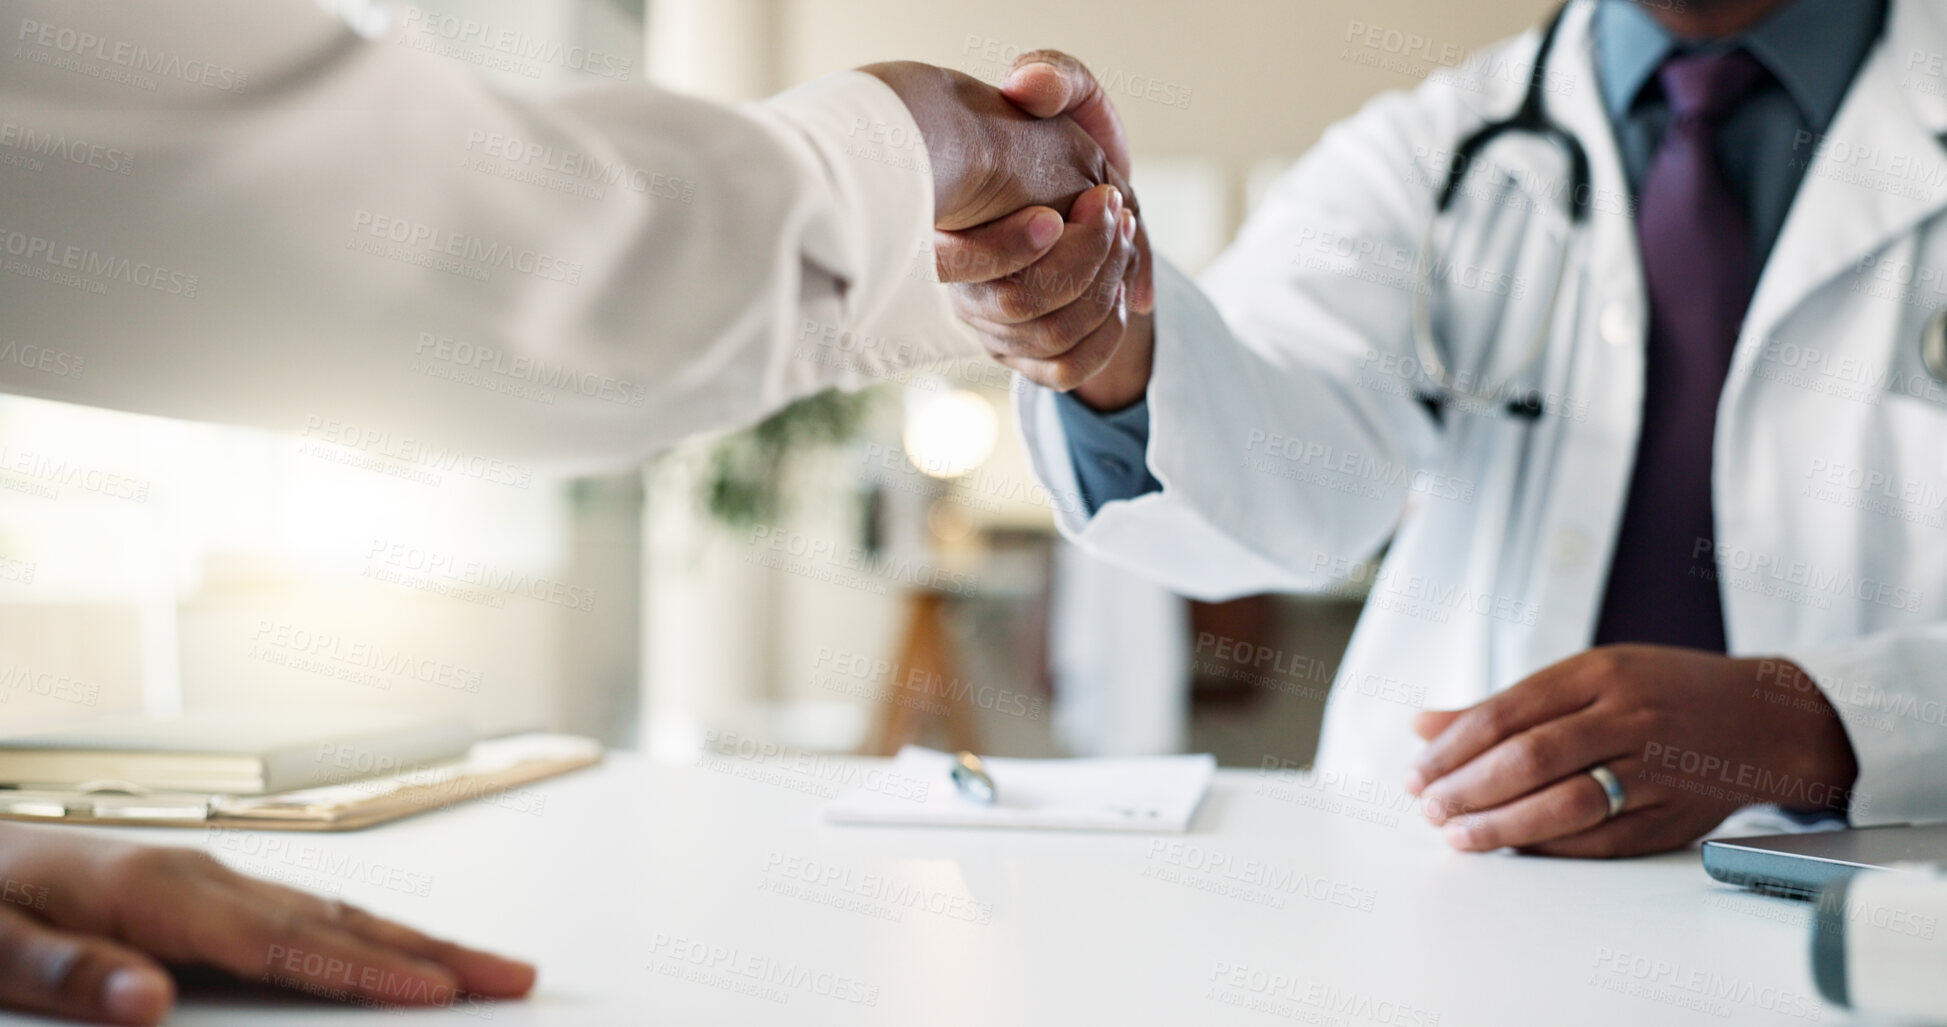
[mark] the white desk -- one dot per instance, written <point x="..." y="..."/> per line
<point x="593" y="874"/>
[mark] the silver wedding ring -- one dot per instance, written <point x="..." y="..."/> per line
<point x="1611" y="786"/>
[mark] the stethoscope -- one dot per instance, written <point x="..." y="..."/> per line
<point x="1532" y="118"/>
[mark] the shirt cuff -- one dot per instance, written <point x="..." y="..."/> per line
<point x="877" y="237"/>
<point x="1109" y="451"/>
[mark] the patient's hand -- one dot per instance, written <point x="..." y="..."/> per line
<point x="1075" y="317"/>
<point x="989" y="158"/>
<point x="87" y="923"/>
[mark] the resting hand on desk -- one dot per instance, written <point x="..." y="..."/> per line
<point x="1691" y="736"/>
<point x="88" y="922"/>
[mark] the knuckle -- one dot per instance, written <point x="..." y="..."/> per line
<point x="1528" y="758"/>
<point x="1605" y="663"/>
<point x="1013" y="304"/>
<point x="1493" y="720"/>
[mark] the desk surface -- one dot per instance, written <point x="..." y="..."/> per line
<point x="715" y="894"/>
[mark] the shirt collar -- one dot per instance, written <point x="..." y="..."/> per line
<point x="1813" y="47"/>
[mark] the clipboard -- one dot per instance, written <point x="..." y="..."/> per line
<point x="488" y="771"/>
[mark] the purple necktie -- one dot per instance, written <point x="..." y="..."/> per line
<point x="1697" y="267"/>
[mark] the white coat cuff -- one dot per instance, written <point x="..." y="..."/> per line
<point x="878" y="241"/>
<point x="1898" y="732"/>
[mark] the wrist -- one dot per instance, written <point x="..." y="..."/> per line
<point x="1124" y="380"/>
<point x="1813" y="748"/>
<point x="927" y="92"/>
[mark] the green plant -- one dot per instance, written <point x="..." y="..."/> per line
<point x="743" y="485"/>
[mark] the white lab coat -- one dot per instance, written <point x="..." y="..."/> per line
<point x="1501" y="532"/>
<point x="241" y="211"/>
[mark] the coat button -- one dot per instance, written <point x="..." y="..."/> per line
<point x="1568" y="548"/>
<point x="1618" y="325"/>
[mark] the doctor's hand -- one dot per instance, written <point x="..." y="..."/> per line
<point x="1691" y="736"/>
<point x="1074" y="316"/>
<point x="87" y="924"/>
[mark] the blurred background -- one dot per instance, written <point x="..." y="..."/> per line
<point x="858" y="572"/>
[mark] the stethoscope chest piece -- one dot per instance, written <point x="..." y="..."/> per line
<point x="1933" y="347"/>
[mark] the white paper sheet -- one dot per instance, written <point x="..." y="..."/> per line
<point x="1144" y="794"/>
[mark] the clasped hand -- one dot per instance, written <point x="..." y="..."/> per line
<point x="1040" y="234"/>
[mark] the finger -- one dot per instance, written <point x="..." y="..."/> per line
<point x="1080" y="363"/>
<point x="482" y="973"/>
<point x="85" y="977"/>
<point x="1048" y="82"/>
<point x="1651" y="829"/>
<point x="1570" y="806"/>
<point x="1429" y="723"/>
<point x="241" y="931"/>
<point x="1542" y="697"/>
<point x="1053" y="335"/>
<point x="1142" y="273"/>
<point x="1528" y="761"/>
<point x="998" y="248"/>
<point x="1063" y="276"/>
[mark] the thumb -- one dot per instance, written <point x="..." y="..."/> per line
<point x="1046" y="83"/>
<point x="1429" y="723"/>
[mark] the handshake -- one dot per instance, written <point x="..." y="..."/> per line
<point x="1038" y="231"/>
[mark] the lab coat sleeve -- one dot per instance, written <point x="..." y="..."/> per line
<point x="1280" y="430"/>
<point x="242" y="211"/>
<point x="1887" y="691"/>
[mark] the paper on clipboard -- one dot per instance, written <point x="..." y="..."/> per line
<point x="488" y="770"/>
<point x="1144" y="794"/>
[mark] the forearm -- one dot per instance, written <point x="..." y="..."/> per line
<point x="371" y="237"/>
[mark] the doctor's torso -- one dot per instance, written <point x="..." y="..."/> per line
<point x="1830" y="456"/>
